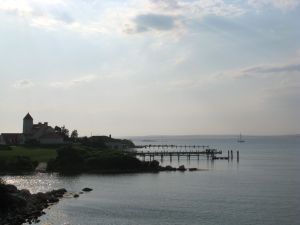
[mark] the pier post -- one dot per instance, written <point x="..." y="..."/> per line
<point x="231" y="154"/>
<point x="237" y="155"/>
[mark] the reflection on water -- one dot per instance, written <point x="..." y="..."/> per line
<point x="263" y="189"/>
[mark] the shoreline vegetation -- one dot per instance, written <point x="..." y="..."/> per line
<point x="82" y="156"/>
<point x="86" y="155"/>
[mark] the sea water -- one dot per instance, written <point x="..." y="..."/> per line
<point x="262" y="188"/>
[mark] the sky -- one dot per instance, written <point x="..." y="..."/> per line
<point x="148" y="67"/>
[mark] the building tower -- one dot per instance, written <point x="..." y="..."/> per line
<point x="27" y="124"/>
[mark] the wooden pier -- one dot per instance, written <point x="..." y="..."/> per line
<point x="173" y="146"/>
<point x="209" y="153"/>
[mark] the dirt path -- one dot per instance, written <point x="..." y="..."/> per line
<point x="41" y="167"/>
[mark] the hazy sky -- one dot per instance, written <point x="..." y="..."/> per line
<point x="141" y="67"/>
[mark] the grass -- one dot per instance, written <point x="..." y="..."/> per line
<point x="40" y="154"/>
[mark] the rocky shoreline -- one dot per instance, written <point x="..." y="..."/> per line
<point x="20" y="206"/>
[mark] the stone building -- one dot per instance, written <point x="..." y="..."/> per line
<point x="40" y="133"/>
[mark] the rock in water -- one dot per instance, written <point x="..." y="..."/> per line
<point x="20" y="206"/>
<point x="181" y="168"/>
<point x="87" y="189"/>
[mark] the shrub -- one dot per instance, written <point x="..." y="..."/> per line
<point x="71" y="159"/>
<point x="68" y="159"/>
<point x="17" y="164"/>
<point x="20" y="164"/>
<point x="5" y="148"/>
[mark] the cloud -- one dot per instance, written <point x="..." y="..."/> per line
<point x="21" y="84"/>
<point x="146" y="22"/>
<point x="279" y="4"/>
<point x="111" y="17"/>
<point x="198" y="8"/>
<point x="268" y="69"/>
<point x="175" y="14"/>
<point x="289" y="76"/>
<point x="132" y="17"/>
<point x="46" y="14"/>
<point x="73" y="82"/>
<point x="51" y="15"/>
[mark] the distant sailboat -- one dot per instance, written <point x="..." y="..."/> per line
<point x="240" y="139"/>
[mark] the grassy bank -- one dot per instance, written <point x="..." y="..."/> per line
<point x="40" y="154"/>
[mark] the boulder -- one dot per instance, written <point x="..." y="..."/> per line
<point x="11" y="188"/>
<point x="87" y="189"/>
<point x="21" y="206"/>
<point x="169" y="168"/>
<point x="181" y="168"/>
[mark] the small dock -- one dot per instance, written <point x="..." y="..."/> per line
<point x="174" y="146"/>
<point x="187" y="151"/>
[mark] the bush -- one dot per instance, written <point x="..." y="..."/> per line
<point x="71" y="159"/>
<point x="5" y="148"/>
<point x="68" y="160"/>
<point x="18" y="164"/>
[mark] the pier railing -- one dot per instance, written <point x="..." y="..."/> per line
<point x="162" y="151"/>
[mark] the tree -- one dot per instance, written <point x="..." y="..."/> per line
<point x="57" y="129"/>
<point x="65" y="131"/>
<point x="74" y="135"/>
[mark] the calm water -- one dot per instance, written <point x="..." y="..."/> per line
<point x="263" y="188"/>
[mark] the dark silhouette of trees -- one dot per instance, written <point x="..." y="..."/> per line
<point x="71" y="159"/>
<point x="74" y="135"/>
<point x="63" y="131"/>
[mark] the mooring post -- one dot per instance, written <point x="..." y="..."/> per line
<point x="231" y="154"/>
<point x="237" y="155"/>
<point x="228" y="154"/>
